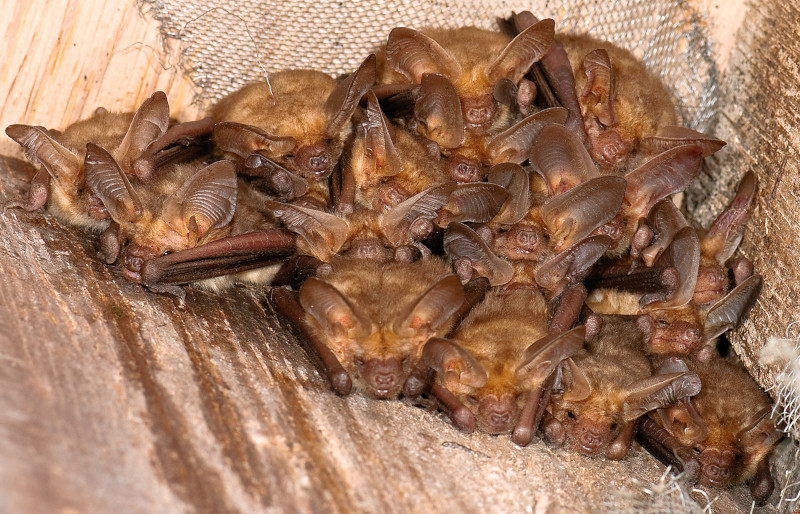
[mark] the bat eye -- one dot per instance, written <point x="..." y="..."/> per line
<point x="357" y="361"/>
<point x="614" y="426"/>
<point x="472" y="398"/>
<point x="570" y="414"/>
<point x="166" y="252"/>
<point x="697" y="450"/>
<point x="662" y="322"/>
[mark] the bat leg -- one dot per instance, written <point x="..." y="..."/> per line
<point x="462" y="418"/>
<point x="570" y="304"/>
<point x="420" y="377"/>
<point x="286" y="302"/>
<point x="762" y="485"/>
<point x="619" y="447"/>
<point x="38" y="193"/>
<point x="552" y="430"/>
<point x="664" y="447"/>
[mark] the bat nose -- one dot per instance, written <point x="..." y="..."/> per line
<point x="528" y="240"/>
<point x="464" y="169"/>
<point x="478" y="112"/>
<point x="384" y="376"/>
<point x="590" y="442"/>
<point x="496" y="414"/>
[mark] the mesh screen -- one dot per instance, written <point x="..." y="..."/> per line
<point x="228" y="43"/>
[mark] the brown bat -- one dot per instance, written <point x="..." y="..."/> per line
<point x="608" y="388"/>
<point x="296" y="123"/>
<point x="59" y="156"/>
<point x="726" y="429"/>
<point x="188" y="223"/>
<point x="369" y="320"/>
<point x="490" y="372"/>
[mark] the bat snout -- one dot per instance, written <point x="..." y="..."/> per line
<point x="715" y="467"/>
<point x="478" y="112"/>
<point x="497" y="415"/>
<point x="464" y="169"/>
<point x="313" y="161"/>
<point x="609" y="148"/>
<point x="133" y="261"/>
<point x="384" y="376"/>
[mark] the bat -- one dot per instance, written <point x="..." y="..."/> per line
<point x="299" y="120"/>
<point x="186" y="219"/>
<point x="369" y="321"/>
<point x="724" y="434"/>
<point x="607" y="388"/>
<point x="59" y="156"/>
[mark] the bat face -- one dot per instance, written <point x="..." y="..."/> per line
<point x="375" y="317"/>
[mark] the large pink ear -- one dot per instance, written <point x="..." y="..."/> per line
<point x="514" y="144"/>
<point x="432" y="309"/>
<point x="324" y="233"/>
<point x="514" y="179"/>
<point x="454" y="364"/>
<point x="60" y="162"/>
<point x="668" y="173"/>
<point x="337" y="317"/>
<point x="576" y="384"/>
<point x="543" y="356"/>
<point x="243" y="140"/>
<point x="380" y="157"/>
<point x="683" y="254"/>
<point x="208" y="198"/>
<point x="671" y="136"/>
<point x="343" y="102"/>
<point x="460" y="241"/>
<point x="438" y="109"/>
<point x="411" y="220"/>
<point x="658" y="391"/>
<point x="598" y="93"/>
<point x="149" y="123"/>
<point x="561" y="159"/>
<point x="110" y="184"/>
<point x="414" y="55"/>
<point x="726" y="313"/>
<point x="519" y="55"/>
<point x="727" y="230"/>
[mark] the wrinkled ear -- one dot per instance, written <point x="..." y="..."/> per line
<point x="438" y="109"/>
<point x="380" y="155"/>
<point x="671" y="137"/>
<point x="573" y="215"/>
<point x="576" y="386"/>
<point x="542" y="357"/>
<point x="562" y="160"/>
<point x="454" y="364"/>
<point x="598" y="93"/>
<point x="665" y="219"/>
<point x="573" y="264"/>
<point x="336" y="316"/>
<point x="410" y="220"/>
<point x="760" y="432"/>
<point x="244" y="140"/>
<point x="514" y="179"/>
<point x="432" y="309"/>
<point x="726" y="313"/>
<point x="61" y="163"/>
<point x="149" y="123"/>
<point x="514" y="144"/>
<point x="658" y="391"/>
<point x="684" y="255"/>
<point x="726" y="232"/>
<point x="324" y="233"/>
<point x="414" y="54"/>
<point x="209" y="197"/>
<point x="667" y="173"/>
<point x="682" y="420"/>
<point x="519" y="55"/>
<point x="476" y="202"/>
<point x="460" y="241"/>
<point x="110" y="184"/>
<point x="342" y="103"/>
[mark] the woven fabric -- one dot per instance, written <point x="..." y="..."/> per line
<point x="228" y="43"/>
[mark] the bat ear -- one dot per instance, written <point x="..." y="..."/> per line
<point x="432" y="309"/>
<point x="543" y="356"/>
<point x="324" y="233"/>
<point x="454" y="364"/>
<point x="342" y="103"/>
<point x="411" y="220"/>
<point x="727" y="312"/>
<point x="337" y="317"/>
<point x="665" y="219"/>
<point x="760" y="432"/>
<point x="671" y="136"/>
<point x="561" y="159"/>
<point x="573" y="215"/>
<point x="380" y="158"/>
<point x="598" y="93"/>
<point x="576" y="385"/>
<point x="658" y="391"/>
<point x="668" y="173"/>
<point x="519" y="55"/>
<point x="414" y="54"/>
<point x="149" y="123"/>
<point x="683" y="254"/>
<point x="476" y="202"/>
<point x="726" y="232"/>
<point x="460" y="241"/>
<point x="514" y="179"/>
<point x="243" y="140"/>
<point x="438" y="109"/>
<point x="208" y="197"/>
<point x="572" y="264"/>
<point x="514" y="144"/>
<point x="110" y="184"/>
<point x="60" y="162"/>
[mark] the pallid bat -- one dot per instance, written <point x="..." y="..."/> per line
<point x="300" y="119"/>
<point x="726" y="428"/>
<point x="369" y="320"/>
<point x="608" y="388"/>
<point x="60" y="180"/>
<point x="490" y="371"/>
<point x="188" y="223"/>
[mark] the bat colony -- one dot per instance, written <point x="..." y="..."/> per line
<point x="479" y="217"/>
